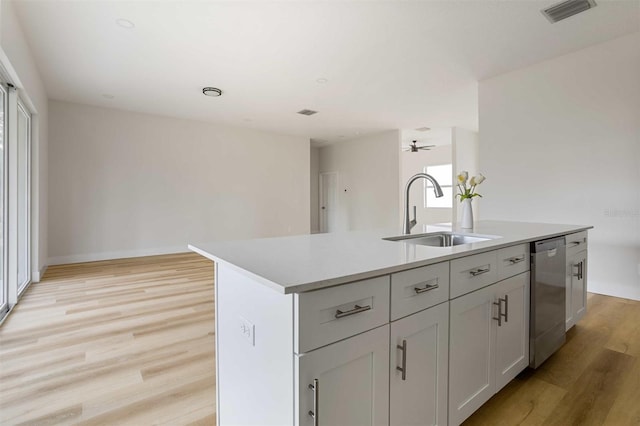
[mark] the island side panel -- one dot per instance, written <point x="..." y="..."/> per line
<point x="254" y="343"/>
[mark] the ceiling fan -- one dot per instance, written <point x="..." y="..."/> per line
<point x="413" y="147"/>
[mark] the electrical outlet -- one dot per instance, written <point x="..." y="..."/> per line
<point x="248" y="330"/>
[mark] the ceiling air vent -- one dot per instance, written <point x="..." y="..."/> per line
<point x="307" y="112"/>
<point x="566" y="9"/>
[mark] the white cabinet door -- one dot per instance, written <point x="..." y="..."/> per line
<point x="579" y="285"/>
<point x="471" y="353"/>
<point x="512" y="336"/>
<point x="351" y="380"/>
<point x="420" y="347"/>
<point x="576" y="281"/>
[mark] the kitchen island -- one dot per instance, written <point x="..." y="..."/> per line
<point x="350" y="328"/>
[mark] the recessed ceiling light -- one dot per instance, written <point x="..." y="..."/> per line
<point x="125" y="23"/>
<point x="423" y="129"/>
<point x="321" y="80"/>
<point x="307" y="112"/>
<point x="212" y="91"/>
<point x="108" y="96"/>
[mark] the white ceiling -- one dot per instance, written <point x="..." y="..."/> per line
<point x="389" y="65"/>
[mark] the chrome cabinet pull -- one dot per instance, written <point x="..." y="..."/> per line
<point x="499" y="317"/>
<point x="427" y="287"/>
<point x="314" y="413"/>
<point x="479" y="271"/>
<point x="501" y="314"/>
<point x="575" y="244"/>
<point x="506" y="308"/>
<point x="580" y="266"/>
<point x="581" y="269"/>
<point x="515" y="260"/>
<point x="403" y="369"/>
<point x="356" y="310"/>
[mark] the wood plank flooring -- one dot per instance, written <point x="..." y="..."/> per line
<point x="131" y="342"/>
<point x="120" y="342"/>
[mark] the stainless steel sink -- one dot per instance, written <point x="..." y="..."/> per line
<point x="441" y="239"/>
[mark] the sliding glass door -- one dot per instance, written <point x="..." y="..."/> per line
<point x="15" y="197"/>
<point x="23" y="221"/>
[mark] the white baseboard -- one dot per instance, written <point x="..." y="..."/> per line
<point x="92" y="257"/>
<point x="36" y="275"/>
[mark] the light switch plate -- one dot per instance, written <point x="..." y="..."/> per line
<point x="248" y="330"/>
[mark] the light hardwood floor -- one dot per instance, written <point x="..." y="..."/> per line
<point x="119" y="342"/>
<point x="131" y="342"/>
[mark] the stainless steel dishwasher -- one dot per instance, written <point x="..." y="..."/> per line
<point x="548" y="293"/>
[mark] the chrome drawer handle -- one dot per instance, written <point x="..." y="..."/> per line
<point x="403" y="369"/>
<point x="515" y="260"/>
<point x="316" y="391"/>
<point x="356" y="310"/>
<point x="479" y="271"/>
<point x="426" y="288"/>
<point x="574" y="244"/>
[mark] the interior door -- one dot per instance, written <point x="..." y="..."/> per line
<point x="471" y="353"/>
<point x="512" y="336"/>
<point x="345" y="383"/>
<point x="328" y="201"/>
<point x="420" y="340"/>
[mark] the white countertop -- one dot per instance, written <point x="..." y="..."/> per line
<point x="309" y="262"/>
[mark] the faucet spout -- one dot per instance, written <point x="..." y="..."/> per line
<point x="410" y="223"/>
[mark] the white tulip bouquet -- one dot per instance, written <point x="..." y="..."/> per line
<point x="467" y="187"/>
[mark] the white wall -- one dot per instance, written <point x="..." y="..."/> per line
<point x="466" y="158"/>
<point x="314" y="189"/>
<point x="127" y="184"/>
<point x="415" y="162"/>
<point x="368" y="180"/>
<point x="560" y="142"/>
<point x="17" y="59"/>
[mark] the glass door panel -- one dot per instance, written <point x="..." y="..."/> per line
<point x="24" y="191"/>
<point x="3" y="127"/>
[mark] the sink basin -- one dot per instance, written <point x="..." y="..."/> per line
<point x="441" y="239"/>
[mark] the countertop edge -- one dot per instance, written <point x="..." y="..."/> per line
<point x="277" y="287"/>
<point x="318" y="285"/>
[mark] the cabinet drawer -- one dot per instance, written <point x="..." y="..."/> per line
<point x="512" y="261"/>
<point x="473" y="272"/>
<point x="418" y="289"/>
<point x="326" y="316"/>
<point x="576" y="242"/>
